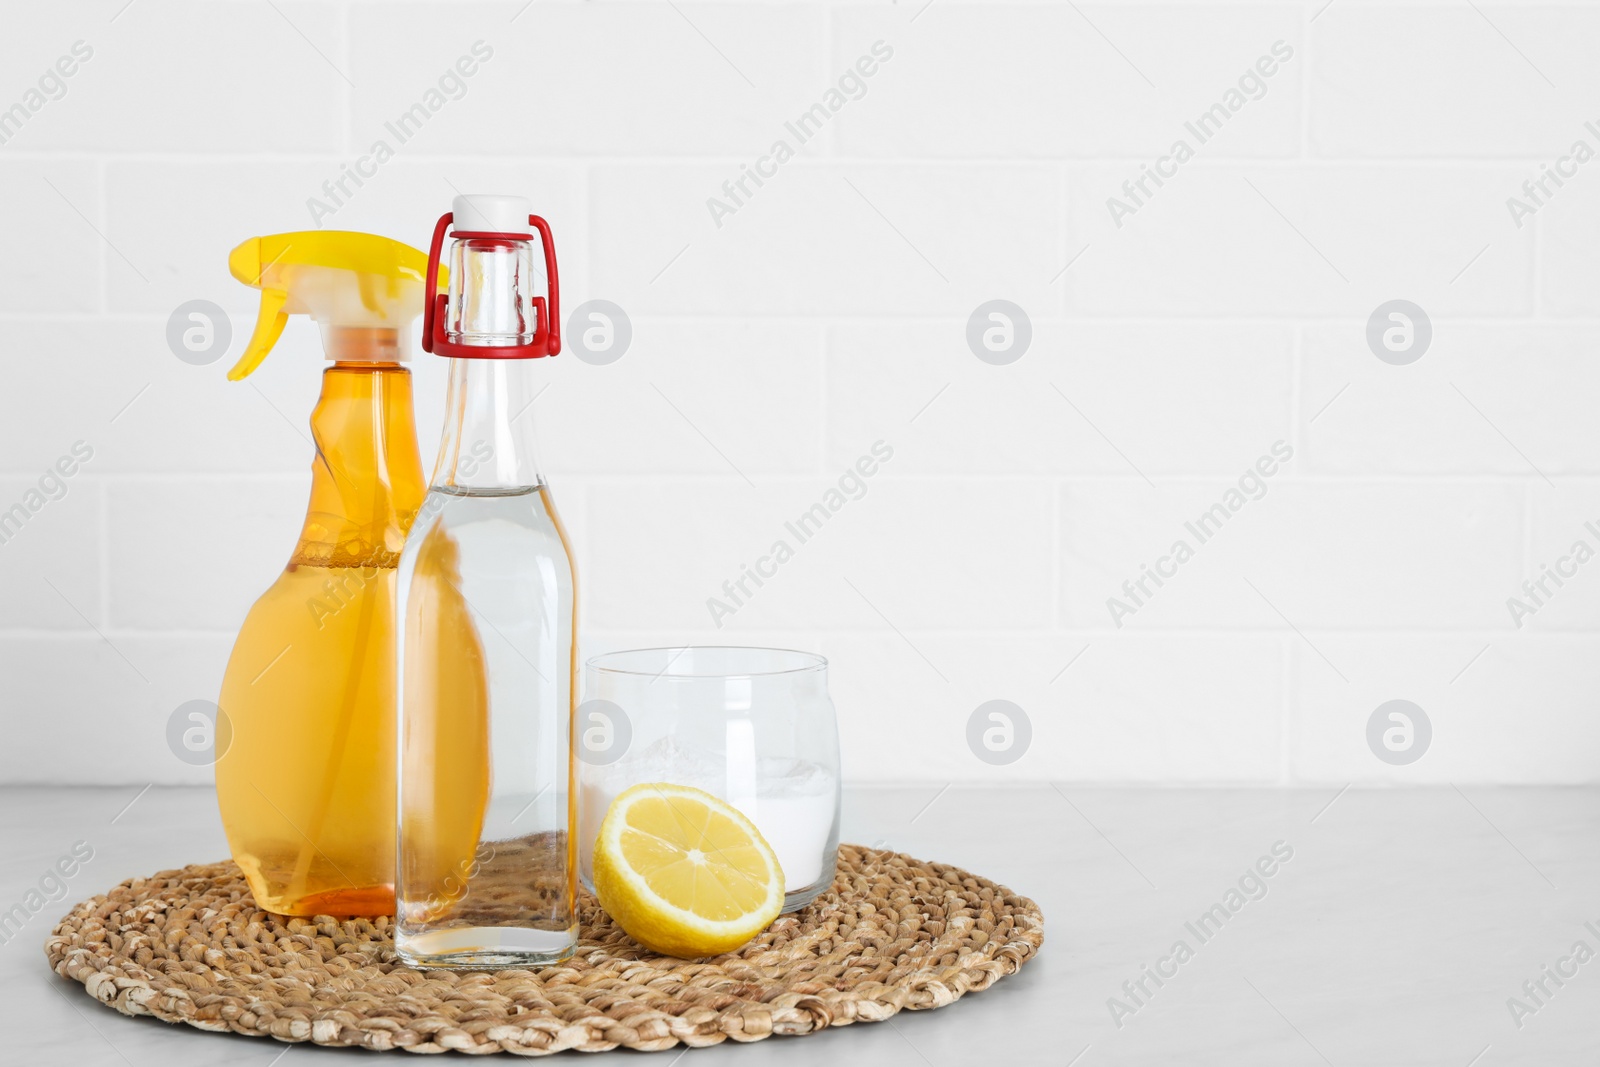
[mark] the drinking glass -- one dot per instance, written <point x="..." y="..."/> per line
<point x="752" y="726"/>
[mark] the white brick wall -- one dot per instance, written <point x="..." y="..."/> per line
<point x="1227" y="312"/>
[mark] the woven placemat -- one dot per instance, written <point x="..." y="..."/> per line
<point x="892" y="933"/>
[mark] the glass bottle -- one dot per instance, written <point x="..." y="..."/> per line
<point x="487" y="872"/>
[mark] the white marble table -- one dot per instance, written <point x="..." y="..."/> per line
<point x="1395" y="934"/>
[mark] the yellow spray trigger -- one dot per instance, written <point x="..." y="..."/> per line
<point x="270" y="322"/>
<point x="339" y="278"/>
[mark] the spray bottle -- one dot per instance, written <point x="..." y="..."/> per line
<point x="307" y="785"/>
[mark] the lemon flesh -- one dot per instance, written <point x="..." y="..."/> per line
<point x="684" y="873"/>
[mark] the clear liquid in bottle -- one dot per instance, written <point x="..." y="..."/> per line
<point x="487" y="858"/>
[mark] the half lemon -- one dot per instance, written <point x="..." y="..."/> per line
<point x="685" y="874"/>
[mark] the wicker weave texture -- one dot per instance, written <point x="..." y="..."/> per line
<point x="893" y="933"/>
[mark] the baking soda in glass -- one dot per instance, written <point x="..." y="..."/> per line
<point x="752" y="726"/>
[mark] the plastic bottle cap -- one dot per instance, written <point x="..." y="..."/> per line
<point x="491" y="213"/>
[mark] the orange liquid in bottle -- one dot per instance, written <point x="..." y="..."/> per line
<point x="447" y="688"/>
<point x="307" y="784"/>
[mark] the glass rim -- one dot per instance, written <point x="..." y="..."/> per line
<point x="810" y="661"/>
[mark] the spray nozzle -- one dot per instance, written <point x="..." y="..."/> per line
<point x="362" y="289"/>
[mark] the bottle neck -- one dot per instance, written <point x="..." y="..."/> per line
<point x="366" y="482"/>
<point x="488" y="441"/>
